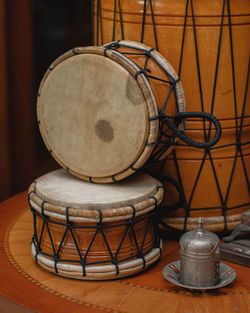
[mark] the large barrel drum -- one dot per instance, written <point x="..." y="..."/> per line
<point x="207" y="44"/>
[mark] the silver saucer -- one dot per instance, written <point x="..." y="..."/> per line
<point x="172" y="270"/>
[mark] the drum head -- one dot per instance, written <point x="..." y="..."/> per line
<point x="59" y="188"/>
<point x="94" y="114"/>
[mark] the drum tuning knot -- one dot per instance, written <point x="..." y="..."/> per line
<point x="99" y="226"/>
<point x="69" y="225"/>
<point x="223" y="207"/>
<point x="148" y="53"/>
<point x="56" y="258"/>
<point x="140" y="254"/>
<point x="131" y="221"/>
<point x="34" y="238"/>
<point x="238" y="143"/>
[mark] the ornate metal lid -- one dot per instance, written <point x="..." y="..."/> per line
<point x="199" y="241"/>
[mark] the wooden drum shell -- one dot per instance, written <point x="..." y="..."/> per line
<point x="220" y="90"/>
<point x="169" y="17"/>
<point x="113" y="241"/>
<point x="99" y="250"/>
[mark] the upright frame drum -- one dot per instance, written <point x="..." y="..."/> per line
<point x="104" y="112"/>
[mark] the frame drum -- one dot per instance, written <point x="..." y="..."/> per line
<point x="95" y="231"/>
<point x="206" y="42"/>
<point x="97" y="112"/>
<point x="106" y="111"/>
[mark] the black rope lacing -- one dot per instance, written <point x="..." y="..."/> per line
<point x="165" y="140"/>
<point x="101" y="228"/>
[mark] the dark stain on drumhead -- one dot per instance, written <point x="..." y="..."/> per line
<point x="104" y="130"/>
<point x="132" y="91"/>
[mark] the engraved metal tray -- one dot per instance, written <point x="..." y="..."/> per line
<point x="171" y="273"/>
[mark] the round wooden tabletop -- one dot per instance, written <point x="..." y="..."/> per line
<point x="25" y="287"/>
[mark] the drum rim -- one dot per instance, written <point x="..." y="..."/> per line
<point x="168" y="68"/>
<point x="162" y="61"/>
<point x="213" y="223"/>
<point x="150" y="103"/>
<point x="100" y="272"/>
<point x="93" y="215"/>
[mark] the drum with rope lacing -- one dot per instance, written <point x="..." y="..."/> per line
<point x="105" y="112"/>
<point x="206" y="43"/>
<point x="95" y="231"/>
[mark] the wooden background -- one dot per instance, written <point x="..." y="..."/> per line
<point x="32" y="34"/>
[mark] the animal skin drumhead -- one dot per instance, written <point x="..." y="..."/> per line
<point x="93" y="115"/>
<point x="62" y="189"/>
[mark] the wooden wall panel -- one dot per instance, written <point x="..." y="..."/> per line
<point x="32" y="35"/>
<point x="5" y="176"/>
<point x="21" y="92"/>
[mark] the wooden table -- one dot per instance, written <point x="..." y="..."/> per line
<point x="25" y="287"/>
